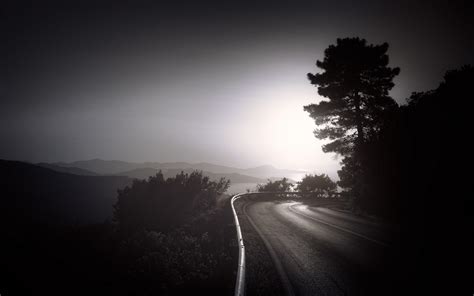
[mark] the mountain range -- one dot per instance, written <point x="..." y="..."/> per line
<point x="144" y="173"/>
<point x="85" y="191"/>
<point x="41" y="194"/>
<point x="145" y="169"/>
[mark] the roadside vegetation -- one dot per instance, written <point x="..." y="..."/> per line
<point x="169" y="236"/>
<point x="282" y="185"/>
<point x="317" y="186"/>
<point x="400" y="162"/>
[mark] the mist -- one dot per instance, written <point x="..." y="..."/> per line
<point x="236" y="147"/>
<point x="209" y="83"/>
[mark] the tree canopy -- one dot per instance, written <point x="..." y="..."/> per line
<point x="282" y="185"/>
<point x="162" y="204"/>
<point x="321" y="185"/>
<point x="356" y="79"/>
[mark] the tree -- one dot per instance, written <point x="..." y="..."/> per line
<point x="282" y="185"/>
<point x="161" y="204"/>
<point x="321" y="185"/>
<point x="416" y="153"/>
<point x="356" y="79"/>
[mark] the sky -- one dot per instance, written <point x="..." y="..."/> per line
<point x="221" y="82"/>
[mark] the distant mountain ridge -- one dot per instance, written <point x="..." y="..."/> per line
<point x="45" y="195"/>
<point x="144" y="173"/>
<point x="115" y="167"/>
<point x="51" y="193"/>
<point x="69" y="170"/>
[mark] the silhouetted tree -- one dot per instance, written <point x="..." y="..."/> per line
<point x="321" y="185"/>
<point x="159" y="204"/>
<point x="282" y="185"/>
<point x="356" y="79"/>
<point x="420" y="164"/>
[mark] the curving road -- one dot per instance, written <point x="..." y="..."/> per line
<point x="321" y="251"/>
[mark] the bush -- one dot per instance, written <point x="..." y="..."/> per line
<point x="139" y="254"/>
<point x="171" y="241"/>
<point x="162" y="205"/>
<point x="320" y="185"/>
<point x="282" y="185"/>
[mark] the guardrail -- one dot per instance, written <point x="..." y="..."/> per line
<point x="240" y="281"/>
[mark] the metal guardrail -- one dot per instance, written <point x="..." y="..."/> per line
<point x="240" y="281"/>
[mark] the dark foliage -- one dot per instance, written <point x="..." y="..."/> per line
<point x="51" y="257"/>
<point x="160" y="205"/>
<point x="405" y="164"/>
<point x="282" y="185"/>
<point x="320" y="185"/>
<point x="409" y="170"/>
<point x="416" y="176"/>
<point x="412" y="151"/>
<point x="356" y="79"/>
<point x="36" y="194"/>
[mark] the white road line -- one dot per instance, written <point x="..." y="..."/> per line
<point x="278" y="265"/>
<point x="337" y="227"/>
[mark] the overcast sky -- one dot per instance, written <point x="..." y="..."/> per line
<point x="218" y="82"/>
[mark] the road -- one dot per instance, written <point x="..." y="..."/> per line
<point x="322" y="251"/>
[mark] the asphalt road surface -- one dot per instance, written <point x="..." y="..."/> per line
<point x="321" y="251"/>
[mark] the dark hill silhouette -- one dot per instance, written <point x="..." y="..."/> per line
<point x="103" y="167"/>
<point x="70" y="170"/>
<point x="114" y="167"/>
<point x="34" y="193"/>
<point x="46" y="235"/>
<point x="140" y="173"/>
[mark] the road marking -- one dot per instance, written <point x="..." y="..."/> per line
<point x="290" y="207"/>
<point x="278" y="265"/>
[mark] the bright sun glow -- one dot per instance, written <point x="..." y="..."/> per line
<point x="282" y="132"/>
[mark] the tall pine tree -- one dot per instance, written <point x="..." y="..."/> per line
<point x="356" y="80"/>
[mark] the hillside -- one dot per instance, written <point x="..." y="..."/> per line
<point x="102" y="167"/>
<point x="40" y="194"/>
<point x="70" y="170"/>
<point x="115" y="167"/>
